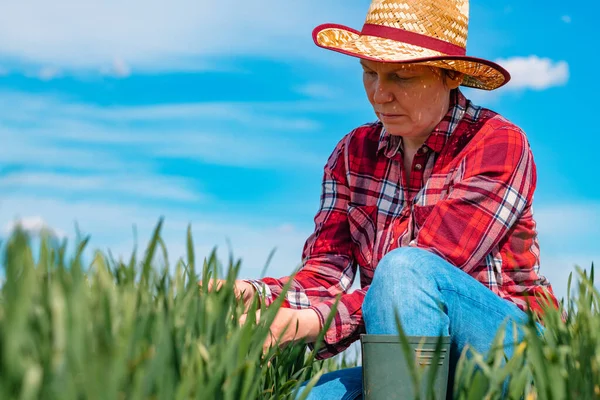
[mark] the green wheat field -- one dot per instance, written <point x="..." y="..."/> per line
<point x="143" y="329"/>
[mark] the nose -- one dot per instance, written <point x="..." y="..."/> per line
<point x="382" y="93"/>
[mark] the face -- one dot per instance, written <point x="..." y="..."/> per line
<point x="409" y="99"/>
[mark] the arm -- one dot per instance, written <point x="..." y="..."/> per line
<point x="328" y="264"/>
<point x="497" y="179"/>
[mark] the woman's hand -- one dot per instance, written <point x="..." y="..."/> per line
<point x="243" y="290"/>
<point x="286" y="321"/>
<point x="290" y="326"/>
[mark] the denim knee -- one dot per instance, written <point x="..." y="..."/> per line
<point x="405" y="265"/>
<point x="401" y="263"/>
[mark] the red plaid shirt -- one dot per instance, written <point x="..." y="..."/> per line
<point x="469" y="200"/>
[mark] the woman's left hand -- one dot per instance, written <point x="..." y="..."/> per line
<point x="290" y="325"/>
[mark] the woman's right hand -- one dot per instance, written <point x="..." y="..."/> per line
<point x="243" y="290"/>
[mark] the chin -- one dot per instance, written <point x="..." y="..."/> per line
<point x="396" y="130"/>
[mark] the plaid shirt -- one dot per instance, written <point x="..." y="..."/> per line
<point x="469" y="200"/>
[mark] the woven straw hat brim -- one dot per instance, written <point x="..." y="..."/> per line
<point x="479" y="73"/>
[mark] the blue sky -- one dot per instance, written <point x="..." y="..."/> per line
<point x="222" y="115"/>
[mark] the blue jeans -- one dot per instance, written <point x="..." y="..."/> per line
<point x="414" y="282"/>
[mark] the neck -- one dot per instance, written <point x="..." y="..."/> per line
<point x="411" y="145"/>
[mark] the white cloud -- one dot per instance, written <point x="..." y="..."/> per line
<point x="566" y="19"/>
<point x="527" y="73"/>
<point x="153" y="34"/>
<point x="33" y="225"/>
<point x="534" y="72"/>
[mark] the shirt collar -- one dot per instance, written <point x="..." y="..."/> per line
<point x="391" y="145"/>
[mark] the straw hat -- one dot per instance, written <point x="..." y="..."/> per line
<point x="431" y="32"/>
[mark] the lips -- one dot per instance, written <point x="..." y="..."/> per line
<point x="389" y="117"/>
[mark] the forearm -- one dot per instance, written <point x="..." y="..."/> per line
<point x="309" y="325"/>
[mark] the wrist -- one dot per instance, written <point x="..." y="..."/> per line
<point x="245" y="290"/>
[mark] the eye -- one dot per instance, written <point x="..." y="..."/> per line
<point x="402" y="78"/>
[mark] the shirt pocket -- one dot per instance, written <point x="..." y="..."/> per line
<point x="363" y="231"/>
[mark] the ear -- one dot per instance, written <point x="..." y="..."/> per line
<point x="454" y="79"/>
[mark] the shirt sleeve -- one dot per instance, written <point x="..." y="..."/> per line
<point x="495" y="181"/>
<point x="328" y="265"/>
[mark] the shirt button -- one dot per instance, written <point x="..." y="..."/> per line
<point x="418" y="167"/>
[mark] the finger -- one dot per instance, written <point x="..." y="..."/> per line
<point x="257" y="316"/>
<point x="242" y="320"/>
<point x="268" y="343"/>
<point x="208" y="285"/>
<point x="213" y="284"/>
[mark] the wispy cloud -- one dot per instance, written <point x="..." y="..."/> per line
<point x="210" y="132"/>
<point x="80" y="151"/>
<point x="535" y="73"/>
<point x="249" y="114"/>
<point x="48" y="73"/>
<point x="566" y="19"/>
<point x="142" y="186"/>
<point x="153" y="34"/>
<point x="19" y="106"/>
<point x="318" y="91"/>
<point x="119" y="68"/>
<point x="41" y="149"/>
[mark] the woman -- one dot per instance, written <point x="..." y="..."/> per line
<point x="430" y="204"/>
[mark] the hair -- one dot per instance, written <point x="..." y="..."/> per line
<point x="448" y="73"/>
